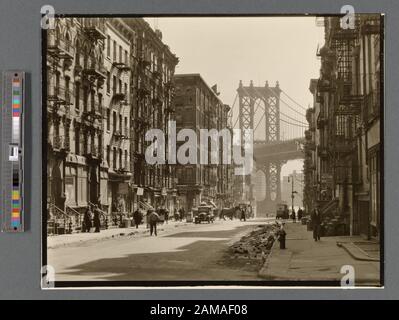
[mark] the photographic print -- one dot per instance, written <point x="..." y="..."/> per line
<point x="213" y="150"/>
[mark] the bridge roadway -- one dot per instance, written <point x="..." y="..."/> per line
<point x="278" y="150"/>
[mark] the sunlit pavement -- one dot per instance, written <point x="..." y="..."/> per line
<point x="189" y="252"/>
<point x="307" y="260"/>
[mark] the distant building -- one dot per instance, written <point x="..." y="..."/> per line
<point x="198" y="107"/>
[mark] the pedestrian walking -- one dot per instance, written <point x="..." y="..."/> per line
<point x="293" y="217"/>
<point x="181" y="214"/>
<point x="86" y="226"/>
<point x="243" y="217"/>
<point x="96" y="219"/>
<point x="166" y="215"/>
<point x="300" y="214"/>
<point x="175" y="214"/>
<point x="316" y="221"/>
<point x="137" y="217"/>
<point x="153" y="219"/>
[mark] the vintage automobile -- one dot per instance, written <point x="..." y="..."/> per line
<point x="204" y="213"/>
<point x="282" y="211"/>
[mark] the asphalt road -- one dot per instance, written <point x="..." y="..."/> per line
<point x="193" y="252"/>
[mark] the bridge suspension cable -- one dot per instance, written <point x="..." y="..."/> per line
<point x="299" y="105"/>
<point x="281" y="113"/>
<point x="302" y="114"/>
<point x="300" y="123"/>
<point x="293" y="124"/>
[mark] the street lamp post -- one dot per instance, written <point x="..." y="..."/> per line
<point x="292" y="191"/>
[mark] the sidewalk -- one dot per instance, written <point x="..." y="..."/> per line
<point x="82" y="237"/>
<point x="308" y="260"/>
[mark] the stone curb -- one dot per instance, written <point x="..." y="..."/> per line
<point x="355" y="252"/>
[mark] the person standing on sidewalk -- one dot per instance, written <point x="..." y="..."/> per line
<point x="316" y="221"/>
<point x="175" y="215"/>
<point x="153" y="219"/>
<point x="96" y="219"/>
<point x="293" y="215"/>
<point x="243" y="216"/>
<point x="181" y="214"/>
<point x="166" y="215"/>
<point x="300" y="214"/>
<point x="87" y="220"/>
<point x="137" y="217"/>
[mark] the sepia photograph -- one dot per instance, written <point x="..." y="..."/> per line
<point x="213" y="151"/>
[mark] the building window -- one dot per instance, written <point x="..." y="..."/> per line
<point x="126" y="159"/>
<point x="77" y="141"/>
<point x="114" y="121"/>
<point x="120" y="158"/>
<point x="114" y="84"/>
<point x="77" y="95"/>
<point x="125" y="85"/>
<point x="85" y="97"/>
<point x="108" y="154"/>
<point x="67" y="95"/>
<point x="126" y="128"/>
<point x="120" y="123"/>
<point x="92" y="101"/>
<point x="114" y="158"/>
<point x="126" y="58"/>
<point x="114" y="51"/>
<point x="108" y="81"/>
<point x="108" y="46"/>
<point x="108" y="119"/>
<point x="100" y="102"/>
<point x="120" y="53"/>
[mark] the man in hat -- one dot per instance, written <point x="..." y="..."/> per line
<point x="316" y="221"/>
<point x="153" y="219"/>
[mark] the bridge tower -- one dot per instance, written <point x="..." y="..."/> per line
<point x="266" y="101"/>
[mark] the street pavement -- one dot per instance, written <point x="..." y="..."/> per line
<point x="305" y="259"/>
<point x="187" y="252"/>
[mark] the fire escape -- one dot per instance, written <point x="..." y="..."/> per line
<point x="347" y="107"/>
<point x="60" y="56"/>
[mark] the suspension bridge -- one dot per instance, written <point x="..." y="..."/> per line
<point x="278" y="123"/>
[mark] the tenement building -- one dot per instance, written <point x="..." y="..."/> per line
<point x="153" y="66"/>
<point x="342" y="153"/>
<point x="198" y="106"/>
<point x="75" y="80"/>
<point x="108" y="81"/>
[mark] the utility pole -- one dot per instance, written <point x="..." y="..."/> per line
<point x="292" y="191"/>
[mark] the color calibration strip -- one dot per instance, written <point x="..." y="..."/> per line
<point x="15" y="200"/>
<point x="12" y="141"/>
<point x="14" y="154"/>
<point x="16" y="109"/>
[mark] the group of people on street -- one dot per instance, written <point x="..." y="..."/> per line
<point x="91" y="218"/>
<point x="299" y="214"/>
<point x="153" y="217"/>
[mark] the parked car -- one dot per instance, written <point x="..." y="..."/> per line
<point x="204" y="213"/>
<point x="282" y="211"/>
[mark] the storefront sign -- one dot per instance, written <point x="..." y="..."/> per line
<point x="140" y="191"/>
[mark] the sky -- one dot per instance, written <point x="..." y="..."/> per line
<point x="225" y="50"/>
